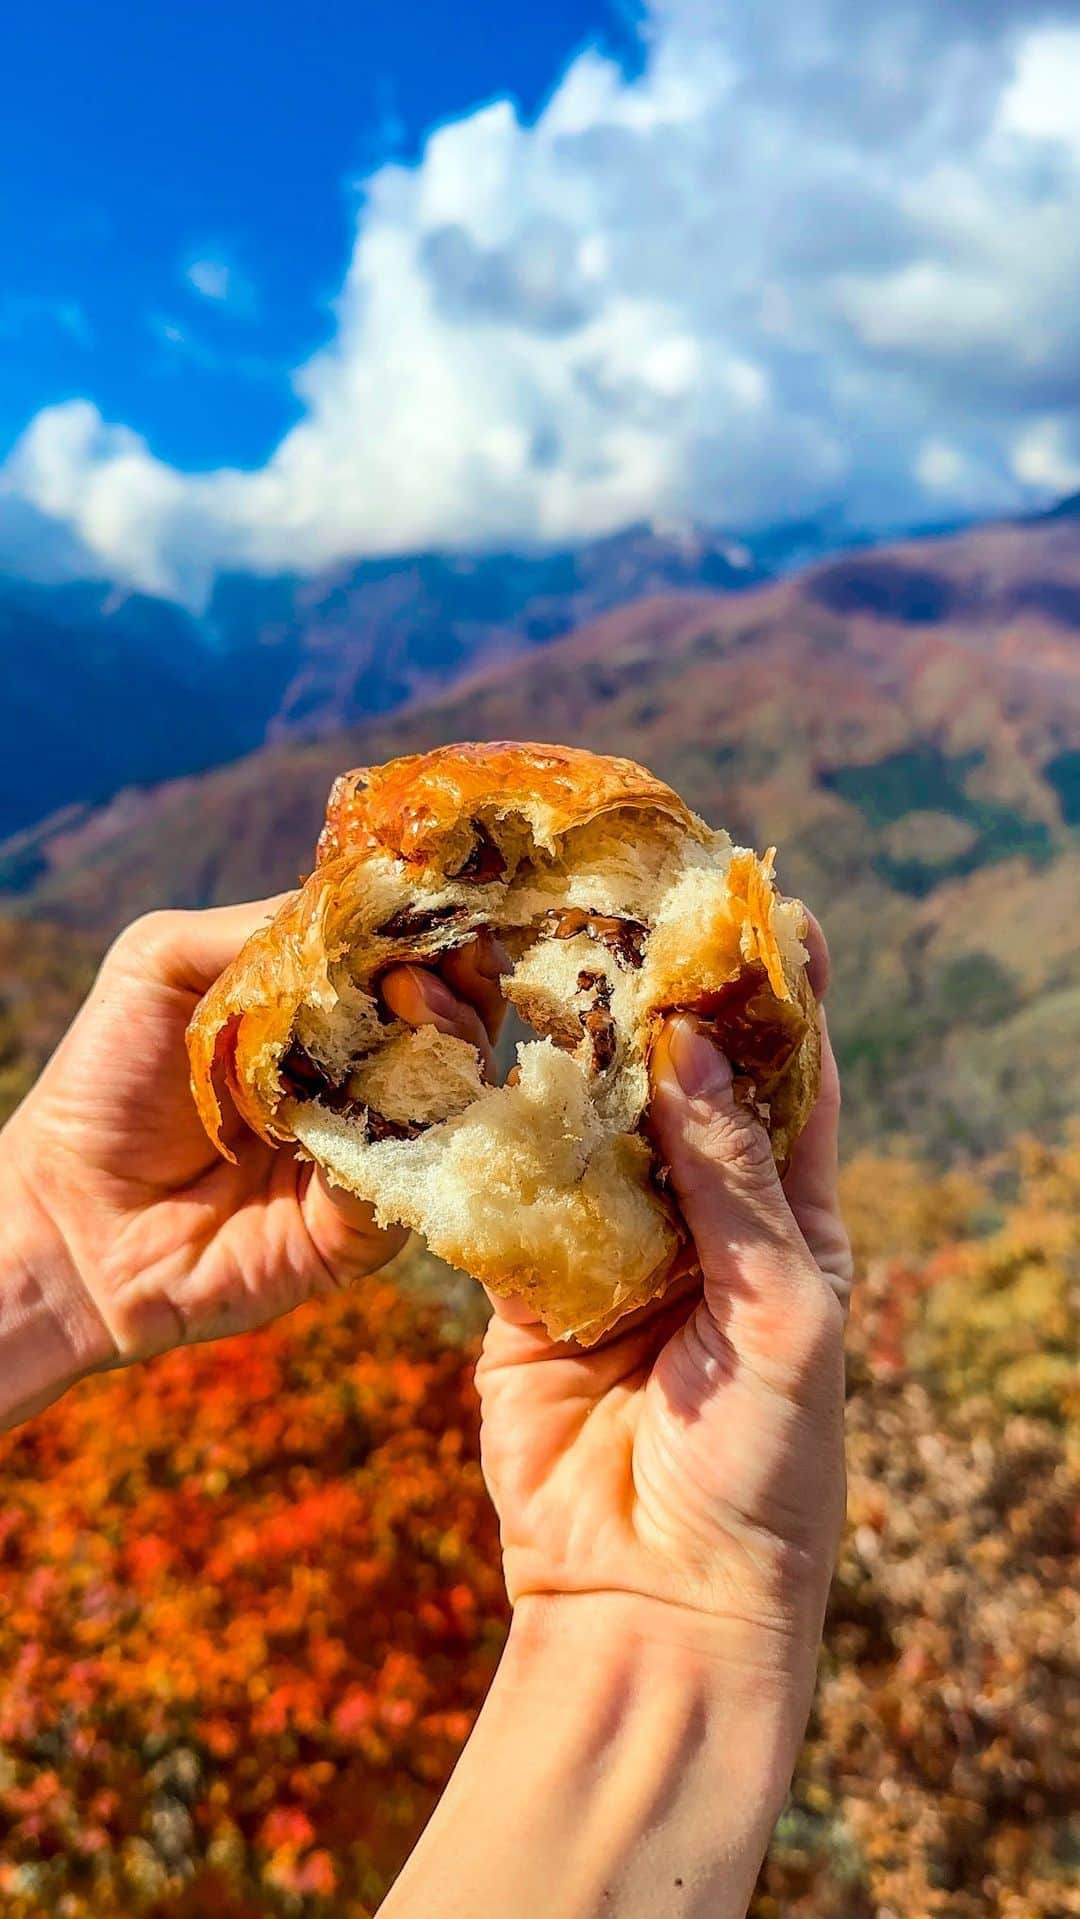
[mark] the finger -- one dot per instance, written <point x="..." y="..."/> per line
<point x="421" y="998"/>
<point x="514" y="1310"/>
<point x="761" y="1286"/>
<point x="343" y="1230"/>
<point x="190" y="950"/>
<point x="812" y="1179"/>
<point x="474" y="971"/>
<point x="819" y="965"/>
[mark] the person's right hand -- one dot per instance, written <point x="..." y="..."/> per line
<point x="694" y="1459"/>
<point x="670" y="1504"/>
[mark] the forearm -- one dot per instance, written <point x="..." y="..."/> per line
<point x="49" y="1334"/>
<point x="631" y="1760"/>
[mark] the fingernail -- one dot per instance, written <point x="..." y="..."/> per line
<point x="420" y="985"/>
<point x="436" y="995"/>
<point x="699" y="1067"/>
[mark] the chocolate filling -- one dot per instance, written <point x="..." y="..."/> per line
<point x="306" y="1080"/>
<point x="600" y="1027"/>
<point x="624" y="939"/>
<point x="409" y="922"/>
<point x="379" y="1127"/>
<point x="303" y="1076"/>
<point x="597" y="984"/>
<point x="485" y="863"/>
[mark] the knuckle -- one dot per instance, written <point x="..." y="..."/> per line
<point x="145" y="941"/>
<point x="737" y="1140"/>
<point x="826" y="1319"/>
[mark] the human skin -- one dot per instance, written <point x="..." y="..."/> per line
<point x="669" y="1501"/>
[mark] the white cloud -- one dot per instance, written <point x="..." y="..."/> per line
<point x="963" y="482"/>
<point x="218" y="279"/>
<point x="210" y="278"/>
<point x="807" y="255"/>
<point x="941" y="468"/>
<point x="1043" y="100"/>
<point x="1047" y="455"/>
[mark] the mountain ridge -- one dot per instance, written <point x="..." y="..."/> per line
<point x="106" y="688"/>
<point x="917" y="760"/>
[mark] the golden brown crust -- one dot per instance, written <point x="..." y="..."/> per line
<point x="413" y="806"/>
<point x="247" y="1016"/>
<point x="401" y="837"/>
<point x="791" y="1093"/>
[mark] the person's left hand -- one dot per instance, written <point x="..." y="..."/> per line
<point x="132" y="1215"/>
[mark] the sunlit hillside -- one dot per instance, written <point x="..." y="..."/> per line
<point x="45" y="971"/>
<point x="904" y="725"/>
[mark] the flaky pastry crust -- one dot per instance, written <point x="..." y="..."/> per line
<point x="619" y="906"/>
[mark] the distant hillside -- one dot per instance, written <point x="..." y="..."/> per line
<point x="45" y="970"/>
<point x="101" y="689"/>
<point x="904" y="724"/>
<point x="105" y="688"/>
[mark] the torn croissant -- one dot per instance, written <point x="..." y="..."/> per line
<point x="617" y="905"/>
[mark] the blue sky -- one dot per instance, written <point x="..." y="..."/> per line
<point x="283" y="285"/>
<point x="139" y="140"/>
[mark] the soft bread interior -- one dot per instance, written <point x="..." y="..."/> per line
<point x="528" y="1183"/>
<point x="418" y="1078"/>
<point x="544" y="1188"/>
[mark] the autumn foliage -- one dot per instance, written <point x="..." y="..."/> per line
<point x="942" y="1770"/>
<point x="250" y="1599"/>
<point x="251" y="1603"/>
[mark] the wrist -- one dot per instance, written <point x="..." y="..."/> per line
<point x="732" y="1648"/>
<point x="665" y="1712"/>
<point x="629" y="1759"/>
<point x="51" y="1334"/>
<point x="626" y="1647"/>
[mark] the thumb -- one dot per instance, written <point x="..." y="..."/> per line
<point x="762" y="1287"/>
<point x="343" y="1229"/>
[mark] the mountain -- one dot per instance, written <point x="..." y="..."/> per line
<point x="904" y="723"/>
<point x="105" y="688"/>
<point x="368" y="638"/>
<point x="101" y="689"/>
<point x="1066" y="509"/>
